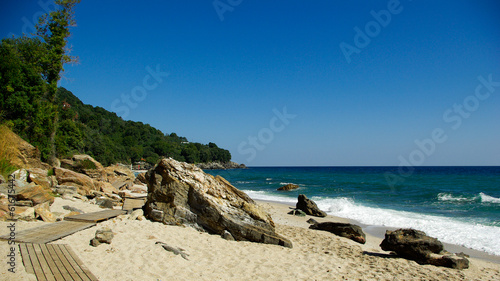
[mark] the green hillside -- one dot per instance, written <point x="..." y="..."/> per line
<point x="26" y="107"/>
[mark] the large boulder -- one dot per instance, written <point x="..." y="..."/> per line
<point x="309" y="207"/>
<point x="416" y="245"/>
<point x="287" y="187"/>
<point x="85" y="164"/>
<point x="36" y="194"/>
<point x="84" y="184"/>
<point x="347" y="230"/>
<point x="182" y="194"/>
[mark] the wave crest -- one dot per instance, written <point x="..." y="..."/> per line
<point x="481" y="197"/>
<point x="489" y="199"/>
<point x="450" y="197"/>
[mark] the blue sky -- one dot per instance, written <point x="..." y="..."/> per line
<point x="271" y="82"/>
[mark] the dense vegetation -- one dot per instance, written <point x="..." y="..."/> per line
<point x="58" y="123"/>
<point x="102" y="134"/>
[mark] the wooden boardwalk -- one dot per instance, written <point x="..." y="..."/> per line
<point x="133" y="203"/>
<point x="96" y="216"/>
<point x="54" y="262"/>
<point x="49" y="232"/>
<point x="53" y="231"/>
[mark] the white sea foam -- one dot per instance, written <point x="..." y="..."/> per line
<point x="449" y="230"/>
<point x="262" y="195"/>
<point x="481" y="197"/>
<point x="489" y="199"/>
<point x="450" y="197"/>
<point x="471" y="235"/>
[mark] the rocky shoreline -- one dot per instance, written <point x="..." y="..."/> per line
<point x="217" y="220"/>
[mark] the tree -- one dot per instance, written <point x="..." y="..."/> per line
<point x="53" y="29"/>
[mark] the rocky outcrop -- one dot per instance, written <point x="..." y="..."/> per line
<point x="220" y="166"/>
<point x="83" y="183"/>
<point x="287" y="187"/>
<point x="309" y="207"/>
<point x="416" y="245"/>
<point x="21" y="153"/>
<point x="182" y="194"/>
<point x="347" y="230"/>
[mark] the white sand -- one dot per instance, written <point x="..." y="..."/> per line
<point x="316" y="255"/>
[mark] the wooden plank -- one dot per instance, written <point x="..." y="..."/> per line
<point x="74" y="264"/>
<point x="37" y="268"/>
<point x="58" y="260"/>
<point x="54" y="262"/>
<point x="96" y="217"/>
<point x="26" y="258"/>
<point x="51" y="263"/>
<point x="47" y="272"/>
<point x="83" y="270"/>
<point x="49" y="232"/>
<point x="133" y="203"/>
<point x="63" y="274"/>
<point x="67" y="265"/>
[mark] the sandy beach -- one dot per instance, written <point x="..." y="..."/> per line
<point x="316" y="255"/>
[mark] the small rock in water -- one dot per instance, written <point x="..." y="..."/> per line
<point x="289" y="186"/>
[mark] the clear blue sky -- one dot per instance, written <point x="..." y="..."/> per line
<point x="233" y="66"/>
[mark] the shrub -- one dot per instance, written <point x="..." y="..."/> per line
<point x="86" y="164"/>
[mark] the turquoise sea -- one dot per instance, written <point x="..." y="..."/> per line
<point x="457" y="205"/>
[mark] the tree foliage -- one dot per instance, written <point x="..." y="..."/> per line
<point x="58" y="123"/>
<point x="53" y="30"/>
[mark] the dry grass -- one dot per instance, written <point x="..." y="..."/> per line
<point x="8" y="151"/>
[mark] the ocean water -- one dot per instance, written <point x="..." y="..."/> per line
<point x="457" y="205"/>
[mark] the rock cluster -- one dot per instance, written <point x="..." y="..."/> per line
<point x="182" y="194"/>
<point x="416" y="245"/>
<point x="309" y="207"/>
<point x="78" y="177"/>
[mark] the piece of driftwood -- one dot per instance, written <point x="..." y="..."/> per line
<point x="175" y="250"/>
